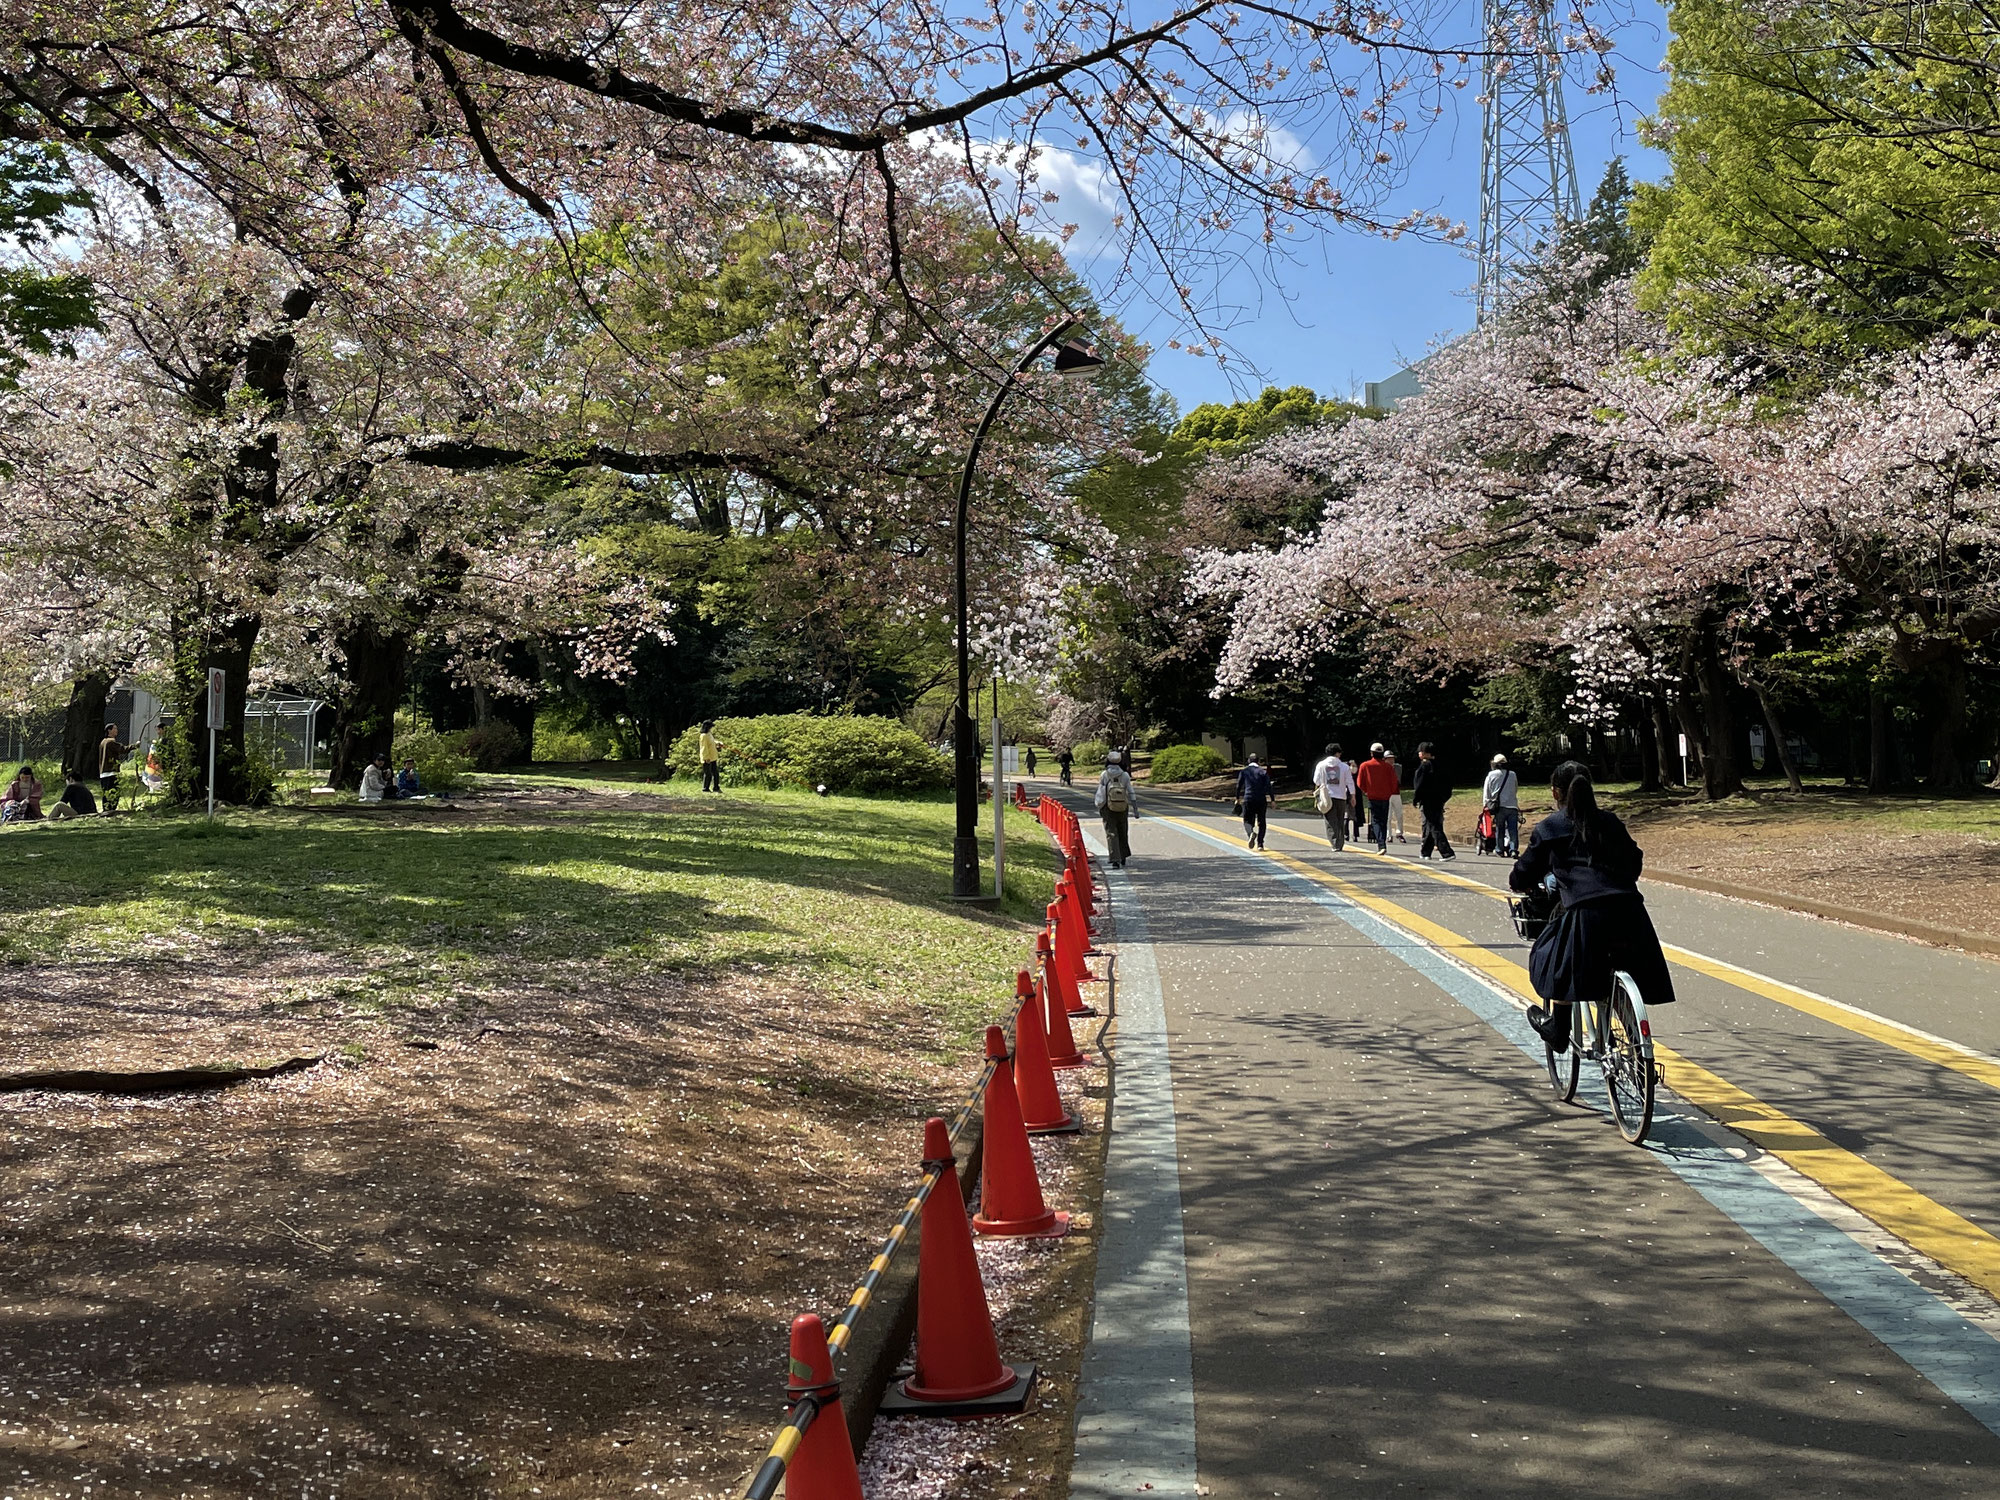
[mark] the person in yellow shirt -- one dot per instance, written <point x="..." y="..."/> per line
<point x="711" y="764"/>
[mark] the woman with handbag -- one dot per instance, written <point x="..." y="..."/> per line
<point x="1603" y="925"/>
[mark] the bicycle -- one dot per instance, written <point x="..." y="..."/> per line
<point x="1613" y="1032"/>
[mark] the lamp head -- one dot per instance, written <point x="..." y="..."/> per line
<point x="1075" y="358"/>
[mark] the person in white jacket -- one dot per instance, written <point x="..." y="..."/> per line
<point x="376" y="782"/>
<point x="1333" y="793"/>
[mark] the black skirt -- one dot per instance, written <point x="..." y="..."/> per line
<point x="1574" y="958"/>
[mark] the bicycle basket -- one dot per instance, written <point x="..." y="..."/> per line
<point x="1532" y="912"/>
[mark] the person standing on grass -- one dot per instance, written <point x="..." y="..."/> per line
<point x="110" y="758"/>
<point x="1396" y="801"/>
<point x="1031" y="760"/>
<point x="1378" y="783"/>
<point x="711" y="758"/>
<point x="1430" y="789"/>
<point x="1501" y="795"/>
<point x="1115" y="804"/>
<point x="1253" y="790"/>
<point x="1334" y="793"/>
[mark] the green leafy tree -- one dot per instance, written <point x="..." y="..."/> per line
<point x="1832" y="185"/>
<point x="41" y="312"/>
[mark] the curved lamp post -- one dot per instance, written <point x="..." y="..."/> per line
<point x="1071" y="359"/>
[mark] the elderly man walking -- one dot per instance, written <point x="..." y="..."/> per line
<point x="1501" y="796"/>
<point x="1333" y="790"/>
<point x="1115" y="804"/>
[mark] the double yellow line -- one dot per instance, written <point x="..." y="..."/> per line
<point x="1948" y="1238"/>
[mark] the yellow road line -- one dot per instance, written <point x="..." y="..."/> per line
<point x="1948" y="1238"/>
<point x="1921" y="1044"/>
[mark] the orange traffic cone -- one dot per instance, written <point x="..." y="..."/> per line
<point x="822" y="1467"/>
<point x="1010" y="1190"/>
<point x="959" y="1372"/>
<point x="1062" y="1044"/>
<point x="1086" y="895"/>
<point x="1064" y="963"/>
<point x="1034" y="1081"/>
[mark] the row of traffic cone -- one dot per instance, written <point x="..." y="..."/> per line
<point x="959" y="1371"/>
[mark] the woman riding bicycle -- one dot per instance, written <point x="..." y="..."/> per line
<point x="1603" y="925"/>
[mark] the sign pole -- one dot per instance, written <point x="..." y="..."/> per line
<point x="999" y="800"/>
<point x="1684" y="760"/>
<point x="217" y="686"/>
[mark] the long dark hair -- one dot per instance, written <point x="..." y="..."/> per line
<point x="1578" y="798"/>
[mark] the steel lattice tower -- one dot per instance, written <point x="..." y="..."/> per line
<point x="1527" y="172"/>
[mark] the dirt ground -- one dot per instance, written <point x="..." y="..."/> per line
<point x="547" y="1247"/>
<point x="1940" y="877"/>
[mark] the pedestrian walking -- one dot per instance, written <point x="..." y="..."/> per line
<point x="1031" y="760"/>
<point x="1377" y="781"/>
<point x="1334" y="794"/>
<point x="711" y="758"/>
<point x="1430" y="789"/>
<point x="1253" y="796"/>
<point x="1065" y="763"/>
<point x="110" y="758"/>
<point x="1396" y="800"/>
<point x="1501" y="796"/>
<point x="1115" y="804"/>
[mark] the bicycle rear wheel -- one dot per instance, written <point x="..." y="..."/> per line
<point x="1628" y="1071"/>
<point x="1564" y="1066"/>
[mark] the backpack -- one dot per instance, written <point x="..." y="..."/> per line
<point x="1117" y="793"/>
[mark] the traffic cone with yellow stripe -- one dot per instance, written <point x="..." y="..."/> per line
<point x="822" y="1466"/>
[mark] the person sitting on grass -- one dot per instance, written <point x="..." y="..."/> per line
<point x="376" y="782"/>
<point x="75" y="802"/>
<point x="407" y="782"/>
<point x="23" y="799"/>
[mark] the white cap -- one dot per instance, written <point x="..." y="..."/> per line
<point x="1376" y="748"/>
<point x="1499" y="760"/>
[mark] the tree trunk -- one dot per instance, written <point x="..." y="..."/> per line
<point x="1947" y="770"/>
<point x="1720" y="774"/>
<point x="1777" y="733"/>
<point x="199" y="644"/>
<point x="1878" y="738"/>
<point x="83" y="725"/>
<point x="1651" y="778"/>
<point x="1666" y="752"/>
<point x="364" y="712"/>
<point x="482" y="707"/>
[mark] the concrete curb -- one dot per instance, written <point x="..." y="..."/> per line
<point x="1946" y="937"/>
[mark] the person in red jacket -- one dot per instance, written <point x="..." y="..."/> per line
<point x="1377" y="778"/>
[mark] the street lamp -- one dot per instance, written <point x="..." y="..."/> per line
<point x="1072" y="358"/>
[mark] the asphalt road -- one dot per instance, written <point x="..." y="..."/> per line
<point x="1410" y="1271"/>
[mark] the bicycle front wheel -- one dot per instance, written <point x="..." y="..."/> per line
<point x="1628" y="1070"/>
<point x="1564" y="1066"/>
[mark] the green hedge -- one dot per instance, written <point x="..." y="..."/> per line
<point x="1090" y="752"/>
<point x="1186" y="763"/>
<point x="843" y="754"/>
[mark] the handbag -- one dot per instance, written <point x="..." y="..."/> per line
<point x="1323" y="800"/>
<point x="1549" y="959"/>
<point x="1236" y="807"/>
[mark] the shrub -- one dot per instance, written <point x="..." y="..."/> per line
<point x="441" y="762"/>
<point x="569" y="745"/>
<point x="1090" y="752"/>
<point x="1186" y="763"/>
<point x="860" y="754"/>
<point x="491" y="746"/>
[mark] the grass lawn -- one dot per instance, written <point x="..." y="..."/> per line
<point x="616" y="1080"/>
<point x="583" y="879"/>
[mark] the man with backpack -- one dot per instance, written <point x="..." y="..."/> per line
<point x="1114" y="804"/>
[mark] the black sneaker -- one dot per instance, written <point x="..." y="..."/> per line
<point x="1554" y="1033"/>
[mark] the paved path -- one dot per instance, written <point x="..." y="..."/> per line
<point x="1409" y="1271"/>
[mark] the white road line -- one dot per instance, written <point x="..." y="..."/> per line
<point x="1135" y="1409"/>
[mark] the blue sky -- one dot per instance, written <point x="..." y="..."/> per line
<point x="1354" y="307"/>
